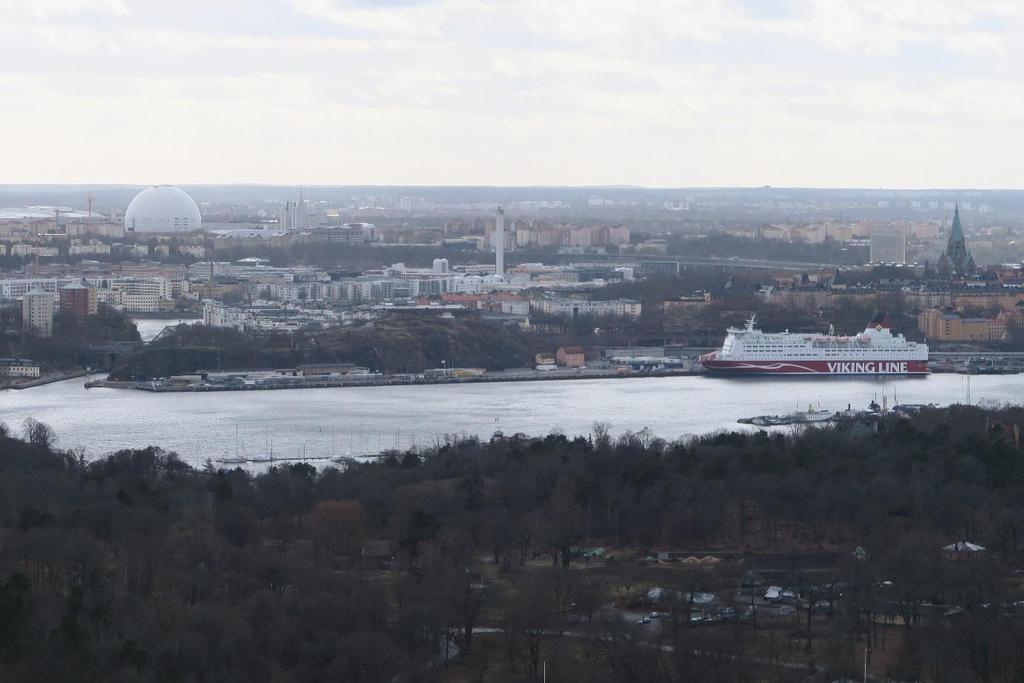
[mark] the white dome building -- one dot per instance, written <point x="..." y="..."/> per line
<point x="162" y="208"/>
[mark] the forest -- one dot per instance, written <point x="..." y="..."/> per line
<point x="723" y="245"/>
<point x="387" y="345"/>
<point x="74" y="344"/>
<point x="513" y="558"/>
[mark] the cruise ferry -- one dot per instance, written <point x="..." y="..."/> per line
<point x="875" y="351"/>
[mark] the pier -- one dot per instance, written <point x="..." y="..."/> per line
<point x="271" y="384"/>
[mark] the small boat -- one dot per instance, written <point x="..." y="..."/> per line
<point x="908" y="409"/>
<point x="810" y="416"/>
<point x="264" y="460"/>
<point x="814" y="416"/>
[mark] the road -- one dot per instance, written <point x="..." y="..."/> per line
<point x="760" y="661"/>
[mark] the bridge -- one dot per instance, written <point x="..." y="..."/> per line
<point x="730" y="262"/>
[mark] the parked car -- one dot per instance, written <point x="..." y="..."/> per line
<point x="779" y="594"/>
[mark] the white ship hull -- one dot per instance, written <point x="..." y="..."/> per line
<point x="876" y="351"/>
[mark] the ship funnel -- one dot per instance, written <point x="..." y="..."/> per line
<point x="881" y="319"/>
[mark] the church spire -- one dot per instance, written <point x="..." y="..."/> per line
<point x="957" y="259"/>
<point x="957" y="233"/>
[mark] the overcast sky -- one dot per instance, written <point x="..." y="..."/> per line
<point x="866" y="93"/>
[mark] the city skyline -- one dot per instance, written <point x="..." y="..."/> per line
<point x="466" y="92"/>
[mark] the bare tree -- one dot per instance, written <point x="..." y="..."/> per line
<point x="39" y="434"/>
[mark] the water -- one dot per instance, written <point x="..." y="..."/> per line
<point x="151" y="327"/>
<point x="325" y="422"/>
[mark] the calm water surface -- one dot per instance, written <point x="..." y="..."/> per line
<point x="368" y="419"/>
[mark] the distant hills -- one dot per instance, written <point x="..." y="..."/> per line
<point x="982" y="204"/>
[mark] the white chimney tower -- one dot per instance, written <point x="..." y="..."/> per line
<point x="499" y="245"/>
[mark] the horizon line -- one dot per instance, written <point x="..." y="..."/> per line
<point x="835" y="188"/>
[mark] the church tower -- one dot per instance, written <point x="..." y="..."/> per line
<point x="956" y="261"/>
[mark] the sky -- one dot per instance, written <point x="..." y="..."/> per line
<point x="661" y="93"/>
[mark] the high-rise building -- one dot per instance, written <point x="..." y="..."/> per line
<point x="499" y="244"/>
<point x="296" y="216"/>
<point x="78" y="300"/>
<point x="888" y="244"/>
<point x="37" y="309"/>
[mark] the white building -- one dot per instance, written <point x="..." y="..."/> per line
<point x="216" y="314"/>
<point x="90" y="249"/>
<point x="207" y="269"/>
<point x="145" y="295"/>
<point x="474" y="284"/>
<point x="153" y="286"/>
<point x="110" y="297"/>
<point x="350" y="233"/>
<point x="137" y="250"/>
<point x="265" y="316"/>
<point x="192" y="250"/>
<point x="577" y="307"/>
<point x="144" y="303"/>
<point x="499" y="243"/>
<point x="162" y="208"/>
<point x="297" y="216"/>
<point x="37" y="309"/>
<point x="93" y="228"/>
<point x="18" y="367"/>
<point x="888" y="244"/>
<point x="33" y="250"/>
<point x="16" y="288"/>
<point x="280" y="291"/>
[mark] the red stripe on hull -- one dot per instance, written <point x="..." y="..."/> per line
<point x="813" y="367"/>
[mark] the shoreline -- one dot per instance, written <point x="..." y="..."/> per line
<point x="416" y="380"/>
<point x="47" y="379"/>
<point x="391" y="380"/>
<point x="205" y="425"/>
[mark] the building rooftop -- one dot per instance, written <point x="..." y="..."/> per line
<point x="23" y="213"/>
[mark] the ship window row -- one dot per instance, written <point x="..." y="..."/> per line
<point x="866" y="353"/>
<point x="830" y="352"/>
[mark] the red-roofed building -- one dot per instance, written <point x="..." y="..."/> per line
<point x="570" y="356"/>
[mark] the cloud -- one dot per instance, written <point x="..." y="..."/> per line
<point x="54" y="9"/>
<point x="391" y="17"/>
<point x="576" y="91"/>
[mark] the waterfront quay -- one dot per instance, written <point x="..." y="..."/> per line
<point x="264" y="380"/>
<point x="48" y="378"/>
<point x="977" y="362"/>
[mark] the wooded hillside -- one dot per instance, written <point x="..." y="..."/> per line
<point x="138" y="568"/>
